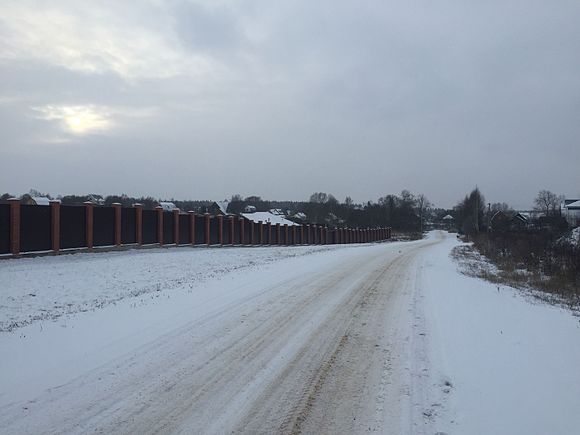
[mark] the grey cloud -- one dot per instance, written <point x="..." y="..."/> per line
<point x="358" y="99"/>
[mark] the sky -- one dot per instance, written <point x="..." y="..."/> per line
<point x="205" y="99"/>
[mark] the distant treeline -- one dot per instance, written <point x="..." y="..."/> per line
<point x="405" y="212"/>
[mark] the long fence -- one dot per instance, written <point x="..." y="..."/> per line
<point x="56" y="228"/>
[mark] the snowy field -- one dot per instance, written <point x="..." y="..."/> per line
<point x="46" y="288"/>
<point x="387" y="338"/>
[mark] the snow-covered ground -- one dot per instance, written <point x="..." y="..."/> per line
<point x="387" y="338"/>
<point x="511" y="362"/>
<point x="44" y="288"/>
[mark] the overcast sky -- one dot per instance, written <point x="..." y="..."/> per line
<point x="203" y="99"/>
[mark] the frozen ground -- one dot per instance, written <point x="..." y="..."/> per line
<point x="511" y="360"/>
<point x="385" y="338"/>
<point x="44" y="288"/>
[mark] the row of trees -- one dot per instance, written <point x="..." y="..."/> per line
<point x="536" y="245"/>
<point x="405" y="211"/>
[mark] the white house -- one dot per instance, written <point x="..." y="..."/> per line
<point x="571" y="211"/>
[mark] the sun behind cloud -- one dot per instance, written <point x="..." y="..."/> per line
<point x="79" y="120"/>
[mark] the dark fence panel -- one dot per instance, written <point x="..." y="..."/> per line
<point x="128" y="226"/>
<point x="103" y="226"/>
<point x="168" y="227"/>
<point x="72" y="226"/>
<point x="256" y="233"/>
<point x="4" y="228"/>
<point x="274" y="235"/>
<point x="266" y="237"/>
<point x="213" y="230"/>
<point x="199" y="230"/>
<point x="331" y="236"/>
<point x="184" y="220"/>
<point x="236" y="232"/>
<point x="246" y="239"/>
<point x="227" y="232"/>
<point x="298" y="240"/>
<point x="283" y="235"/>
<point x="149" y="226"/>
<point x="35" y="228"/>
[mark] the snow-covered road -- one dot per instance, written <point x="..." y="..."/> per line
<point x="306" y="343"/>
<point x="346" y="340"/>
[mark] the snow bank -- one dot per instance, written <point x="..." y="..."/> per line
<point x="571" y="239"/>
<point x="499" y="362"/>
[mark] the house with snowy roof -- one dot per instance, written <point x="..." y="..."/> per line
<point x="34" y="200"/>
<point x="219" y="207"/>
<point x="167" y="206"/>
<point x="266" y="216"/>
<point x="571" y="211"/>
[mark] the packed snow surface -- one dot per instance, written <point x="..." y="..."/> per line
<point x="386" y="338"/>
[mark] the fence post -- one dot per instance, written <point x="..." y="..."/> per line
<point x="269" y="229"/>
<point x="89" y="224"/>
<point x="55" y="225"/>
<point x="293" y="234"/>
<point x="261" y="232"/>
<point x="286" y="233"/>
<point x="220" y="220"/>
<point x="138" y="223"/>
<point x="191" y="227"/>
<point x="207" y="229"/>
<point x="14" y="226"/>
<point x="278" y="234"/>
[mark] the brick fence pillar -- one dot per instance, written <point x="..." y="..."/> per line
<point x="302" y="234"/>
<point x="191" y="227"/>
<point x="207" y="229"/>
<point x="89" y="224"/>
<point x="294" y="234"/>
<point x="286" y="234"/>
<point x="55" y="225"/>
<point x="14" y="226"/>
<point x="278" y="234"/>
<point x="117" y="208"/>
<point x="269" y="230"/>
<point x="138" y="223"/>
<point x="260" y="232"/>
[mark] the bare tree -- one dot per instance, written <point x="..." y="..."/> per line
<point x="546" y="201"/>
<point x="422" y="204"/>
<point x="319" y="197"/>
